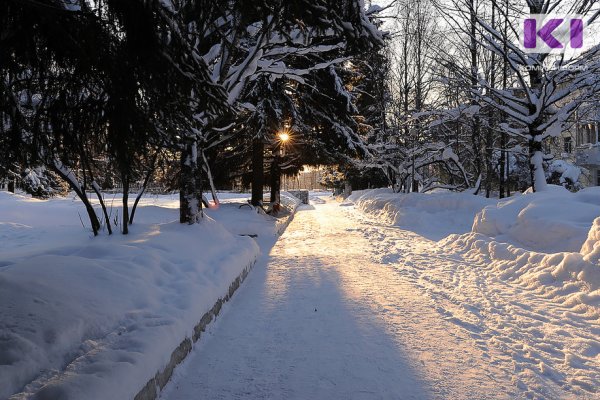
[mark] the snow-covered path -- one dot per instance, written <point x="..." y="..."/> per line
<point x="345" y="308"/>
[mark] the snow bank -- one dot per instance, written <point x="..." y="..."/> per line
<point x="591" y="246"/>
<point x="569" y="278"/>
<point x="547" y="241"/>
<point x="433" y="215"/>
<point x="549" y="221"/>
<point x="96" y="318"/>
<point x="357" y="194"/>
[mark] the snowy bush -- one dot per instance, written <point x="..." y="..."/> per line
<point x="561" y="172"/>
<point x="39" y="182"/>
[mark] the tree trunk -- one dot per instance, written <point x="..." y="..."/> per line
<point x="211" y="181"/>
<point x="198" y="181"/>
<point x="502" y="163"/>
<point x="188" y="199"/>
<point x="125" y="222"/>
<point x="70" y="178"/>
<point x="536" y="158"/>
<point x="536" y="167"/>
<point x="489" y="141"/>
<point x="489" y="153"/>
<point x="275" y="181"/>
<point x="258" y="173"/>
<point x="504" y="155"/>
<point x="144" y="186"/>
<point x="102" y="205"/>
<point x="415" y="183"/>
<point x="96" y="189"/>
<point x="11" y="185"/>
<point x="347" y="188"/>
<point x="507" y="174"/>
<point x="475" y="134"/>
<point x="135" y="204"/>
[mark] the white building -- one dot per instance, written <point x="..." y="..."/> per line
<point x="580" y="144"/>
<point x="587" y="147"/>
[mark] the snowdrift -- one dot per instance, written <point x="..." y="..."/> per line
<point x="549" y="221"/>
<point x="565" y="277"/>
<point x="433" y="215"/>
<point x="547" y="241"/>
<point x="82" y="315"/>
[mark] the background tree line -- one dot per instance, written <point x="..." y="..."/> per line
<point x="466" y="107"/>
<point x="193" y="93"/>
<point x="105" y="91"/>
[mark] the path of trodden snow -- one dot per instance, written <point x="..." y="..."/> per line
<point x="341" y="309"/>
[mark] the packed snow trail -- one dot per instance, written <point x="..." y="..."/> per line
<point x="346" y="308"/>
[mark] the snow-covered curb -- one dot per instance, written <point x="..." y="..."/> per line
<point x="154" y="386"/>
<point x="291" y="204"/>
<point x="152" y="389"/>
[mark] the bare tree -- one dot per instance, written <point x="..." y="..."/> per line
<point x="538" y="105"/>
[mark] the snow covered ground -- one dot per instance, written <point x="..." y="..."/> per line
<point x="356" y="301"/>
<point x="383" y="296"/>
<point x="96" y="318"/>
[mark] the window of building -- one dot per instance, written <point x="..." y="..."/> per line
<point x="582" y="135"/>
<point x="591" y="133"/>
<point x="586" y="134"/>
<point x="568" y="143"/>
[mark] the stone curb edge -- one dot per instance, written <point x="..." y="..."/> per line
<point x="154" y="386"/>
